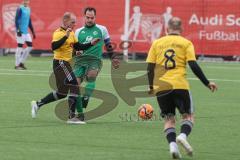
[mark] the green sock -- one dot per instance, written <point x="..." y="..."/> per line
<point x="89" y="88"/>
<point x="88" y="92"/>
<point x="79" y="104"/>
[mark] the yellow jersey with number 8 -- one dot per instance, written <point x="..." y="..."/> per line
<point x="171" y="54"/>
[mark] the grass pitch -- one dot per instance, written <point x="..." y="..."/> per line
<point x="118" y="135"/>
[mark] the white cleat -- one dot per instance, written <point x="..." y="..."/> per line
<point x="35" y="108"/>
<point x="174" y="151"/>
<point x="75" y="120"/>
<point x="184" y="143"/>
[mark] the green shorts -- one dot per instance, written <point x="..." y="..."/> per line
<point x="81" y="70"/>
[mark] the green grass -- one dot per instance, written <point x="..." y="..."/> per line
<point x="117" y="135"/>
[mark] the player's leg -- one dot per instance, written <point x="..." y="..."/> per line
<point x="167" y="108"/>
<point x="79" y="102"/>
<point x="51" y="97"/>
<point x="90" y="86"/>
<point x="27" y="50"/>
<point x="60" y="93"/>
<point x="130" y="31"/>
<point x="74" y="99"/>
<point x="136" y="31"/>
<point x="19" y="51"/>
<point x="184" y="102"/>
<point x="186" y="127"/>
<point x="79" y="72"/>
<point x="91" y="76"/>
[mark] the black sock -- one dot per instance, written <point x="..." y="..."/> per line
<point x="72" y="106"/>
<point x="186" y="127"/>
<point x="49" y="98"/>
<point x="170" y="135"/>
<point x="85" y="100"/>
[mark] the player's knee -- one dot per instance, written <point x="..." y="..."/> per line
<point x="170" y="119"/>
<point x="20" y="45"/>
<point x="91" y="78"/>
<point x="92" y="74"/>
<point x="188" y="117"/>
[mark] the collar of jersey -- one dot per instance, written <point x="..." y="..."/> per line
<point x="62" y="28"/>
<point x="90" y="26"/>
<point x="173" y="34"/>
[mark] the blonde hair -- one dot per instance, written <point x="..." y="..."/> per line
<point x="67" y="16"/>
<point x="175" y="23"/>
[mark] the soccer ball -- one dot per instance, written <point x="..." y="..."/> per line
<point x="145" y="111"/>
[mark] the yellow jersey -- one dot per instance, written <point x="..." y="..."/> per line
<point x="65" y="51"/>
<point x="171" y="54"/>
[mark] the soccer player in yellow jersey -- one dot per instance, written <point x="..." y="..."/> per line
<point x="167" y="60"/>
<point x="63" y="43"/>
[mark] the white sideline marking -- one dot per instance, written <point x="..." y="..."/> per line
<point x="14" y="70"/>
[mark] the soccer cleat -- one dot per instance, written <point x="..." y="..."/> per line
<point x="80" y="116"/>
<point x="75" y="120"/>
<point x="174" y="151"/>
<point x="184" y="143"/>
<point x="22" y="66"/>
<point x="35" y="108"/>
<point x="18" y="68"/>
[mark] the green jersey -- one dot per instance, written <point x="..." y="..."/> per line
<point x="87" y="34"/>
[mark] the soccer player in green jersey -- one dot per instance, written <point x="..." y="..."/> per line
<point x="88" y="63"/>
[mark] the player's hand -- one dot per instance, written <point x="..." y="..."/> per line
<point x="19" y="33"/>
<point x="95" y="41"/>
<point x="68" y="31"/>
<point x="212" y="86"/>
<point x="78" y="53"/>
<point x="115" y="63"/>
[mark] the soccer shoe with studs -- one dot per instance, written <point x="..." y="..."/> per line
<point x="22" y="66"/>
<point x="184" y="143"/>
<point x="35" y="109"/>
<point x="75" y="120"/>
<point x="174" y="151"/>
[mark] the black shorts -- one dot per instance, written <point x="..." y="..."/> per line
<point x="66" y="81"/>
<point x="172" y="99"/>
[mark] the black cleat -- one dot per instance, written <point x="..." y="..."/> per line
<point x="81" y="116"/>
<point x="22" y="66"/>
<point x="18" y="68"/>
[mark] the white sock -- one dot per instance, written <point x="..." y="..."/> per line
<point x="25" y="54"/>
<point x="173" y="147"/>
<point x="183" y="135"/>
<point x="173" y="144"/>
<point x="18" y="56"/>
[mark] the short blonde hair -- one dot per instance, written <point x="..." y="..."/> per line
<point x="67" y="16"/>
<point x="175" y="23"/>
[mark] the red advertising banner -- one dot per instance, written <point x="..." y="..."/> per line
<point x="213" y="28"/>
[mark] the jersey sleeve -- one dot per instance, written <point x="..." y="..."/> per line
<point x="190" y="53"/>
<point x="105" y="33"/>
<point x="152" y="56"/>
<point x="75" y="38"/>
<point x="57" y="36"/>
<point x="77" y="33"/>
